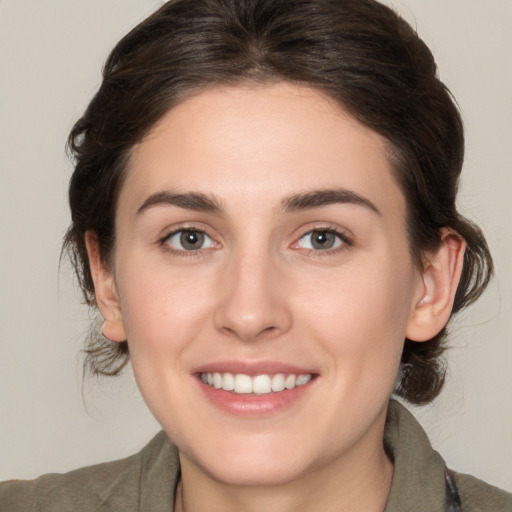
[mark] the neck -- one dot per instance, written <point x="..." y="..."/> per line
<point x="360" y="480"/>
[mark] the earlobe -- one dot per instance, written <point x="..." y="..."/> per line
<point x="440" y="278"/>
<point x="105" y="291"/>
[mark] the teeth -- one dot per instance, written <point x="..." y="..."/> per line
<point x="228" y="382"/>
<point x="259" y="385"/>
<point x="289" y="383"/>
<point x="217" y="380"/>
<point x="302" y="379"/>
<point x="278" y="382"/>
<point x="243" y="384"/>
<point x="262" y="384"/>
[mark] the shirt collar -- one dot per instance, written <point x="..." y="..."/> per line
<point x="418" y="479"/>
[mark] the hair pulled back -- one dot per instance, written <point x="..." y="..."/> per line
<point x="359" y="52"/>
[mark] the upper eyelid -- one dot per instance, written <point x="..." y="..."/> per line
<point x="344" y="233"/>
<point x="170" y="231"/>
<point x="335" y="231"/>
<point x="344" y="238"/>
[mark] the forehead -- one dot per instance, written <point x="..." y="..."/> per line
<point x="247" y="143"/>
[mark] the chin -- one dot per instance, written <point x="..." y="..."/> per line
<point x="268" y="463"/>
<point x="255" y="473"/>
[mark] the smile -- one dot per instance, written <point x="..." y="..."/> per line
<point x="241" y="383"/>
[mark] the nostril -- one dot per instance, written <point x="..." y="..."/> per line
<point x="250" y="333"/>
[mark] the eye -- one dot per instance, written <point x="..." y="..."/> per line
<point x="189" y="240"/>
<point x="321" y="240"/>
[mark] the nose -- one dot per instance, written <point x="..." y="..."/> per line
<point x="252" y="302"/>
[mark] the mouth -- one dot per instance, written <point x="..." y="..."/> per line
<point x="263" y="384"/>
<point x="255" y="389"/>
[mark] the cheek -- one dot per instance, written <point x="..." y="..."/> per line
<point x="164" y="311"/>
<point x="163" y="307"/>
<point x="359" y="314"/>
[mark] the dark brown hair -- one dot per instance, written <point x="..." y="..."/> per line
<point x="359" y="52"/>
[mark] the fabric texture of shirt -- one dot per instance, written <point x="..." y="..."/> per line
<point x="146" y="482"/>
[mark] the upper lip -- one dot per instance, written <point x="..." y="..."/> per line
<point x="252" y="368"/>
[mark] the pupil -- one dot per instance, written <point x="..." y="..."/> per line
<point x="323" y="240"/>
<point x="192" y="240"/>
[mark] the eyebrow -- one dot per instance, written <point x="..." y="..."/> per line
<point x="207" y="203"/>
<point x="190" y="201"/>
<point x="326" y="197"/>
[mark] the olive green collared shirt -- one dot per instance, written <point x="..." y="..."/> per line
<point x="146" y="482"/>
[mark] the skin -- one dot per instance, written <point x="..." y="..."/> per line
<point x="258" y="292"/>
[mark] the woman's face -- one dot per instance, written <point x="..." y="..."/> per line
<point x="261" y="244"/>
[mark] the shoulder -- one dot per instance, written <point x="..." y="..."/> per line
<point x="111" y="486"/>
<point x="478" y="496"/>
<point x="421" y="476"/>
<point x="76" y="490"/>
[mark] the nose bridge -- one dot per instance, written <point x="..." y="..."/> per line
<point x="252" y="303"/>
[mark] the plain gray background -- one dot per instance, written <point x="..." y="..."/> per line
<point x="51" y="53"/>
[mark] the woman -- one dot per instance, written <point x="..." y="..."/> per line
<point x="263" y="210"/>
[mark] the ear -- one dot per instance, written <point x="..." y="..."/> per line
<point x="439" y="278"/>
<point x="105" y="291"/>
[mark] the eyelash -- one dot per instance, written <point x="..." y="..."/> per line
<point x="346" y="241"/>
<point x="163" y="241"/>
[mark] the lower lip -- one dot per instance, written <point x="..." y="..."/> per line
<point x="253" y="405"/>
